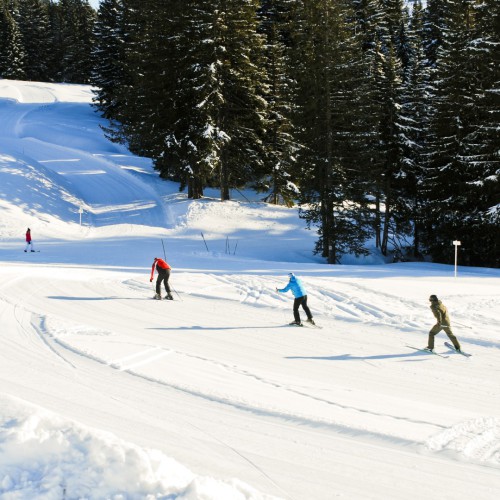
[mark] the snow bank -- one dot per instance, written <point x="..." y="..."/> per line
<point x="45" y="456"/>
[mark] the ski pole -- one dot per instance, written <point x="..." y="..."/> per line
<point x="177" y="293"/>
<point x="461" y="324"/>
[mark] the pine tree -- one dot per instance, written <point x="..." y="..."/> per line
<point x="327" y="63"/>
<point x="414" y="123"/>
<point x="77" y="23"/>
<point x="183" y="150"/>
<point x="384" y="49"/>
<point x="219" y="110"/>
<point x="37" y="38"/>
<point x="281" y="147"/>
<point x="433" y="29"/>
<point x="108" y="74"/>
<point x="462" y="180"/>
<point x="152" y="66"/>
<point x="481" y="143"/>
<point x="12" y="53"/>
<point x="55" y="59"/>
<point x="397" y="26"/>
<point x="240" y="76"/>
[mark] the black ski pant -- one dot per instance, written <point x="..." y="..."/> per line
<point x="301" y="301"/>
<point x="163" y="275"/>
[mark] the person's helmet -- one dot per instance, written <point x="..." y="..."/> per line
<point x="433" y="298"/>
<point x="291" y="275"/>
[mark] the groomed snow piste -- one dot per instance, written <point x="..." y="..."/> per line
<point x="107" y="394"/>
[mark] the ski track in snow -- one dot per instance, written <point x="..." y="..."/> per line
<point x="133" y="363"/>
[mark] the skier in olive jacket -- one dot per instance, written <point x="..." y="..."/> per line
<point x="443" y="323"/>
<point x="299" y="292"/>
<point x="163" y="275"/>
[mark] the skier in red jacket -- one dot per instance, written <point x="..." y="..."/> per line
<point x="29" y="243"/>
<point x="163" y="275"/>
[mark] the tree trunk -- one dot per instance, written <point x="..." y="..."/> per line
<point x="224" y="179"/>
<point x="385" y="235"/>
<point x="377" y="220"/>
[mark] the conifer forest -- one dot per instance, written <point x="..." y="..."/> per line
<point x="379" y="119"/>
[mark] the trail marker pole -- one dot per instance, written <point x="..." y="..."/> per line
<point x="164" y="254"/>
<point x="80" y="211"/>
<point x="457" y="244"/>
<point x="205" y="242"/>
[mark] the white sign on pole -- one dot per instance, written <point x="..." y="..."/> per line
<point x="457" y="244"/>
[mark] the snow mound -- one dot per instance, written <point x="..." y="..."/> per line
<point x="45" y="456"/>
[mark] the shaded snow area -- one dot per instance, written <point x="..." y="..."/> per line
<point x="107" y="394"/>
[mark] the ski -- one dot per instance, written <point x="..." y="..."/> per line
<point x="159" y="297"/>
<point x="427" y="351"/>
<point x="451" y="346"/>
<point x="310" y="325"/>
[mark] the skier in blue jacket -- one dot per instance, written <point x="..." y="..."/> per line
<point x="299" y="292"/>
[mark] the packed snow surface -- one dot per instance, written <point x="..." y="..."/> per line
<point x="107" y="394"/>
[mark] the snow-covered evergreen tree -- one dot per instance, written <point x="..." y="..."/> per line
<point x="433" y="29"/>
<point x="382" y="29"/>
<point x="37" y="38"/>
<point x="280" y="144"/>
<point x="326" y="60"/>
<point x="77" y="19"/>
<point x="462" y="180"/>
<point x="12" y="53"/>
<point x="414" y="118"/>
<point x="108" y="76"/>
<point x="220" y="114"/>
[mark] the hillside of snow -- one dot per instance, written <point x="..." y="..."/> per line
<point x="107" y="394"/>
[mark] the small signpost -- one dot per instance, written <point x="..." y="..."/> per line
<point x="457" y="244"/>
<point x="80" y="211"/>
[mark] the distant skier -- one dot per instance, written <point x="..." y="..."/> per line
<point x="443" y="323"/>
<point x="29" y="242"/>
<point x="299" y="292"/>
<point x="163" y="275"/>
